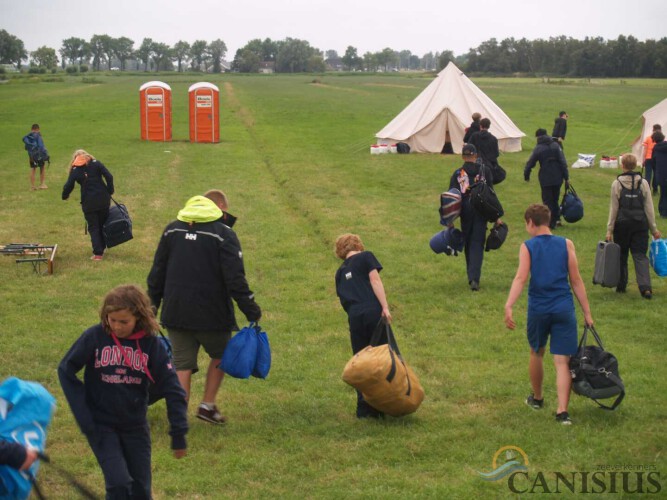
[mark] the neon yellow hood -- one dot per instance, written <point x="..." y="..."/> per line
<point x="199" y="209"/>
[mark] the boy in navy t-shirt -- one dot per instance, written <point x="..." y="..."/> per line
<point x="361" y="293"/>
<point x="550" y="261"/>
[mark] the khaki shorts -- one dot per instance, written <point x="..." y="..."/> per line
<point x="185" y="346"/>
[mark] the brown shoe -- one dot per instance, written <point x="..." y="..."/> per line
<point x="211" y="415"/>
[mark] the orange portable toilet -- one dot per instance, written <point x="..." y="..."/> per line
<point x="204" y="112"/>
<point x="155" y="111"/>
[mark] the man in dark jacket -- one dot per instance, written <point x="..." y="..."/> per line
<point x="473" y="225"/>
<point x="553" y="171"/>
<point x="660" y="169"/>
<point x="486" y="143"/>
<point x="197" y="271"/>
<point x="560" y="128"/>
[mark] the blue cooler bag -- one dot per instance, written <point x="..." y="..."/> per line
<point x="657" y="255"/>
<point x="240" y="355"/>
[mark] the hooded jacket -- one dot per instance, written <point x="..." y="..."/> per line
<point x="197" y="271"/>
<point x="115" y="394"/>
<point x="630" y="180"/>
<point x="487" y="146"/>
<point x="96" y="185"/>
<point x="553" y="167"/>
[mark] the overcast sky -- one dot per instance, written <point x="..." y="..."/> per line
<point x="420" y="26"/>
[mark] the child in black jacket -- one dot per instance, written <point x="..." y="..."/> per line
<point x="121" y="357"/>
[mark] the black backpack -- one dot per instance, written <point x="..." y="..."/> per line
<point x="484" y="199"/>
<point x="595" y="372"/>
<point x="402" y="148"/>
<point x="631" y="201"/>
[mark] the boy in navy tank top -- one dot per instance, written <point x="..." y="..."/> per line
<point x="551" y="263"/>
<point x="362" y="295"/>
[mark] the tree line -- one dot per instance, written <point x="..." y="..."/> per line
<point x="625" y="56"/>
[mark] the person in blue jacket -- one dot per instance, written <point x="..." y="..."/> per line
<point x="96" y="189"/>
<point x="121" y="356"/>
<point x="37" y="155"/>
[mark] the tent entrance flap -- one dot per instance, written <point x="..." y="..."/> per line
<point x="432" y="137"/>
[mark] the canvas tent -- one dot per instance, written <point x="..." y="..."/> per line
<point x="656" y="115"/>
<point x="446" y="106"/>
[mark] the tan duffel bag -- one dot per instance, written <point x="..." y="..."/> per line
<point x="387" y="383"/>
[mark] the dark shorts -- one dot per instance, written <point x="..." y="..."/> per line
<point x="561" y="327"/>
<point x="185" y="345"/>
<point x="35" y="164"/>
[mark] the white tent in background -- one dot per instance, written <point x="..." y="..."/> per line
<point x="656" y="115"/>
<point x="446" y="106"/>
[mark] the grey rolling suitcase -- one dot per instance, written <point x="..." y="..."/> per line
<point x="607" y="264"/>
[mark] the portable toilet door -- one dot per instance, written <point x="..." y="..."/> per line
<point x="204" y="112"/>
<point x="155" y="111"/>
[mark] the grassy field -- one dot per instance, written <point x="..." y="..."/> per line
<point x="294" y="160"/>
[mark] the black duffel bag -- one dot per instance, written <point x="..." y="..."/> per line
<point x="485" y="201"/>
<point x="595" y="372"/>
<point x="118" y="226"/>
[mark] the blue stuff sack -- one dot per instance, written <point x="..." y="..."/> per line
<point x="571" y="208"/>
<point x="26" y="409"/>
<point x="240" y="354"/>
<point x="657" y="256"/>
<point x="263" y="361"/>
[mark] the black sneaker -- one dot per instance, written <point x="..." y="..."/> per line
<point x="647" y="294"/>
<point x="563" y="418"/>
<point x="535" y="404"/>
<point x="211" y="415"/>
<point x="474" y="286"/>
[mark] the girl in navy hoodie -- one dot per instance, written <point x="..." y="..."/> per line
<point x="121" y="357"/>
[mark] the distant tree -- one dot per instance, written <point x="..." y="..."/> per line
<point x="351" y="60"/>
<point x="216" y="51"/>
<point x="269" y="50"/>
<point x="246" y="61"/>
<point x="198" y="54"/>
<point x="316" y="64"/>
<point x="123" y="49"/>
<point x="161" y="53"/>
<point x="45" y="57"/>
<point x="107" y="44"/>
<point x="414" y="62"/>
<point x="97" y="50"/>
<point x="12" y="50"/>
<point x="331" y="54"/>
<point x="71" y="49"/>
<point x="371" y="62"/>
<point x="296" y="56"/>
<point x="404" y="59"/>
<point x="428" y="61"/>
<point x="388" y="57"/>
<point x="180" y="53"/>
<point x="445" y="57"/>
<point x="145" y="51"/>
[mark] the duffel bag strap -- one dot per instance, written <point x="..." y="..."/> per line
<point x="383" y="330"/>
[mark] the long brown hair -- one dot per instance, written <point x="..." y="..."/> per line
<point x="135" y="300"/>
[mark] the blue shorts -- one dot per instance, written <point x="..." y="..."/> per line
<point x="562" y="327"/>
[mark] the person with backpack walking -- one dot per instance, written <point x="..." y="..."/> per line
<point x="37" y="156"/>
<point x="96" y="189"/>
<point x="631" y="217"/>
<point x="551" y="263"/>
<point x="121" y="357"/>
<point x="473" y="224"/>
<point x="553" y="171"/>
